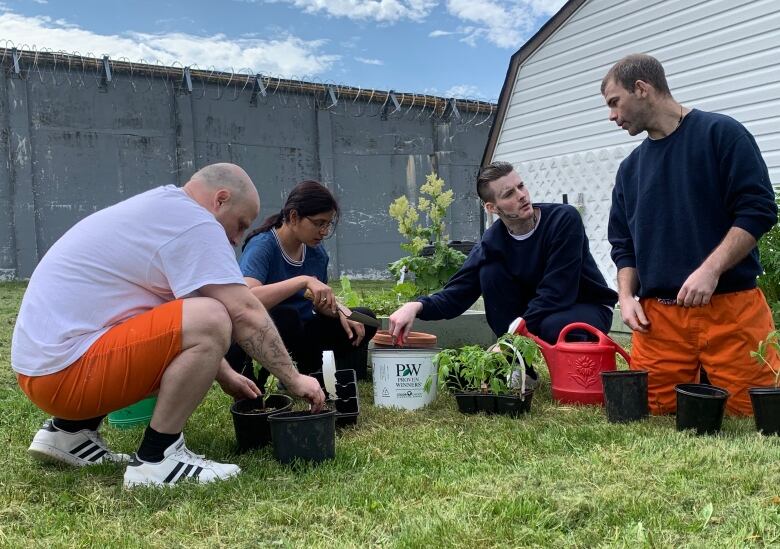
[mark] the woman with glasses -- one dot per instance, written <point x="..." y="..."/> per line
<point x="283" y="259"/>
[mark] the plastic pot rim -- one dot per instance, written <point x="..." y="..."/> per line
<point x="764" y="390"/>
<point x="624" y="373"/>
<point x="689" y="389"/>
<point x="278" y="410"/>
<point x="299" y="415"/>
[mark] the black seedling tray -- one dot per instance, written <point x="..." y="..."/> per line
<point x="346" y="403"/>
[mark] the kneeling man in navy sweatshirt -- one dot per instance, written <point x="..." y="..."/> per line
<point x="534" y="263"/>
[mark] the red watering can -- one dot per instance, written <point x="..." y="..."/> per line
<point x="576" y="366"/>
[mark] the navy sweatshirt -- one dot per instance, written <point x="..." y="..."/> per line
<point x="676" y="198"/>
<point x="546" y="273"/>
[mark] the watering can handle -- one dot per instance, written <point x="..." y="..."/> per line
<point x="603" y="338"/>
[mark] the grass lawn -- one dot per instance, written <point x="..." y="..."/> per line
<point x="562" y="476"/>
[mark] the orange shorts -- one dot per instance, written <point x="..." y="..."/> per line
<point x="122" y="367"/>
<point x="717" y="337"/>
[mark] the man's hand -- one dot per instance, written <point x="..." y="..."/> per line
<point x="633" y="315"/>
<point x="236" y="385"/>
<point x="307" y="387"/>
<point x="401" y="321"/>
<point x="355" y="330"/>
<point x="698" y="288"/>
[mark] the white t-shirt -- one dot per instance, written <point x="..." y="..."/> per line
<point x="115" y="264"/>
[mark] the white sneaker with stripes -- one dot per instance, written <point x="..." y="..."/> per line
<point x="82" y="448"/>
<point x="178" y="464"/>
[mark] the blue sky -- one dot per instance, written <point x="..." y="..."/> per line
<point x="455" y="48"/>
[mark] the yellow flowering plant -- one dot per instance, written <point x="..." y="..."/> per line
<point x="423" y="225"/>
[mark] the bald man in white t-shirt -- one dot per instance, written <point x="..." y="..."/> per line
<point x="142" y="298"/>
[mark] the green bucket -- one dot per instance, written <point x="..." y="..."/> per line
<point x="139" y="413"/>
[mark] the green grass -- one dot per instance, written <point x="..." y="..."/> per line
<point x="561" y="477"/>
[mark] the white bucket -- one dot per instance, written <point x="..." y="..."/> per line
<point x="400" y="376"/>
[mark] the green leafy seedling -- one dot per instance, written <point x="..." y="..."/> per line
<point x="761" y="354"/>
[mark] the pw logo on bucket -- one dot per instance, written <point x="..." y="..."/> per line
<point x="400" y="376"/>
<point x="404" y="370"/>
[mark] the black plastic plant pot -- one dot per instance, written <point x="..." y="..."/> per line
<point x="514" y="405"/>
<point x="250" y="420"/>
<point x="625" y="395"/>
<point x="486" y="403"/>
<point x="700" y="407"/>
<point x="304" y="436"/>
<point x="467" y="404"/>
<point x="766" y="409"/>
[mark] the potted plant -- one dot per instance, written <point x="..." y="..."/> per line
<point x="766" y="400"/>
<point x="250" y="416"/>
<point x="432" y="269"/>
<point x="489" y="380"/>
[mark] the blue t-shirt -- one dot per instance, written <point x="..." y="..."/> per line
<point x="264" y="260"/>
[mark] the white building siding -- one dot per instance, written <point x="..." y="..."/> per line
<point x="719" y="55"/>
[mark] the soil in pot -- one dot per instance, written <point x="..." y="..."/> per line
<point x="250" y="420"/>
<point x="514" y="405"/>
<point x="303" y="436"/>
<point x="700" y="407"/>
<point x="766" y="409"/>
<point x="625" y="395"/>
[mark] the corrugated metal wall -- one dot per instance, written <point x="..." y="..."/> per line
<point x="719" y="55"/>
<point x="71" y="145"/>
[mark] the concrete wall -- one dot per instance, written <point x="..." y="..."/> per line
<point x="71" y="146"/>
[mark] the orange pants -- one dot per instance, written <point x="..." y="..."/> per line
<point x="717" y="337"/>
<point x="122" y="367"/>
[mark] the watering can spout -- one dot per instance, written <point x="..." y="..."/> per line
<point x="519" y="327"/>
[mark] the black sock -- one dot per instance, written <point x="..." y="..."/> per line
<point x="76" y="425"/>
<point x="154" y="444"/>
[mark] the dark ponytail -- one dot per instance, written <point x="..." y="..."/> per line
<point x="306" y="198"/>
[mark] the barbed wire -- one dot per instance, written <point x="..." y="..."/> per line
<point x="43" y="66"/>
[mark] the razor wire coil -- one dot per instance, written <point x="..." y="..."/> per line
<point x="46" y="67"/>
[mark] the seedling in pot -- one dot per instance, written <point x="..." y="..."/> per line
<point x="772" y="341"/>
<point x="271" y="388"/>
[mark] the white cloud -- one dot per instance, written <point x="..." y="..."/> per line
<point x="285" y="56"/>
<point x="388" y="11"/>
<point x="437" y="33"/>
<point x="464" y="91"/>
<point x="546" y="7"/>
<point x="367" y="61"/>
<point x="506" y="24"/>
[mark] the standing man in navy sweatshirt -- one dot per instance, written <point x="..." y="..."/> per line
<point x="534" y="263"/>
<point x="688" y="206"/>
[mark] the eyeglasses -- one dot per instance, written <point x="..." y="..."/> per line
<point x="323" y="226"/>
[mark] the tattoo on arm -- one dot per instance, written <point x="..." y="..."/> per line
<point x="265" y="345"/>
